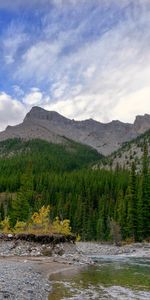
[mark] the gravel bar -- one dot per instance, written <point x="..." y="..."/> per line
<point x="19" y="280"/>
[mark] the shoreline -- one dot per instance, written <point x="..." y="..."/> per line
<point x="46" y="266"/>
<point x="31" y="276"/>
<point x="103" y="249"/>
<point x="21" y="278"/>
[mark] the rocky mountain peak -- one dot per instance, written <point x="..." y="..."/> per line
<point x="42" y="114"/>
<point x="142" y="123"/>
<point x="55" y="128"/>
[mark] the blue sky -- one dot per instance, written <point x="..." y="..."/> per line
<point x="82" y="58"/>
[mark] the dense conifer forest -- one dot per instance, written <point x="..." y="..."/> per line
<point x="100" y="204"/>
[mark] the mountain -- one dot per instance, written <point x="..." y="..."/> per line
<point x="55" y="128"/>
<point x="36" y="173"/>
<point x="16" y="154"/>
<point x="130" y="152"/>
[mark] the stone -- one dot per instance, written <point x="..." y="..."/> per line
<point x="10" y="236"/>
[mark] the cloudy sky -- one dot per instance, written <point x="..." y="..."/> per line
<point x="82" y="58"/>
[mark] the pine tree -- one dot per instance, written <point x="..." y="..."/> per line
<point x="21" y="204"/>
<point x="144" y="198"/>
<point x="2" y="213"/>
<point x="132" y="205"/>
<point x="121" y="213"/>
<point x="102" y="222"/>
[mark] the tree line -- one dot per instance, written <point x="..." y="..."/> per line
<point x="100" y="204"/>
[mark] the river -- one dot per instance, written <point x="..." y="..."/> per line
<point x="112" y="277"/>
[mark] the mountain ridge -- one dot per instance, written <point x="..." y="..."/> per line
<point x="53" y="127"/>
<point x="130" y="152"/>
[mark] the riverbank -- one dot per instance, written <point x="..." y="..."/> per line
<point x="27" y="278"/>
<point x="26" y="266"/>
<point x="100" y="249"/>
<point x="69" y="251"/>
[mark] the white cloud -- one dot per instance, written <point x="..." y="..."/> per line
<point x="105" y="78"/>
<point x="11" y="111"/>
<point x="136" y="103"/>
<point x="121" y="72"/>
<point x="14" y="37"/>
<point x="35" y="97"/>
<point x="79" y="109"/>
<point x="97" y="78"/>
<point x="37" y="61"/>
<point x="88" y="73"/>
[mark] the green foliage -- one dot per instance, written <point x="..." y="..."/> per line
<point x="20" y="227"/>
<point x="21" y="204"/>
<point x="39" y="223"/>
<point x="144" y="198"/>
<point x="99" y="203"/>
<point x="5" y="225"/>
<point x="45" y="157"/>
<point x="132" y="205"/>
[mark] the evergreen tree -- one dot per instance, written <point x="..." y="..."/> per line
<point x="2" y="213"/>
<point x="62" y="179"/>
<point x="120" y="214"/>
<point x="132" y="205"/>
<point x="21" y="204"/>
<point x="144" y="198"/>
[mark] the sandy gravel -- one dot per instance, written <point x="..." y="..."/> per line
<point x="27" y="278"/>
<point x="102" y="249"/>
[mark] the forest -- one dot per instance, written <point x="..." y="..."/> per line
<point x="100" y="204"/>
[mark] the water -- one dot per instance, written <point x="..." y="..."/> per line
<point x="113" y="278"/>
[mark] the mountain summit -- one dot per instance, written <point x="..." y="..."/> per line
<point x="53" y="127"/>
<point x="42" y="114"/>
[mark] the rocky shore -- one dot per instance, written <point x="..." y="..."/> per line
<point x="19" y="280"/>
<point x="100" y="249"/>
<point x="26" y="266"/>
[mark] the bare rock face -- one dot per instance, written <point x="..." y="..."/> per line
<point x="55" y="128"/>
<point x="38" y="113"/>
<point x="142" y="123"/>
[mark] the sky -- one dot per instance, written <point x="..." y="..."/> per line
<point x="81" y="58"/>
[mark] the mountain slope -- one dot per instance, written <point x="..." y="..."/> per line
<point x="129" y="152"/>
<point x="52" y="127"/>
<point x="16" y="154"/>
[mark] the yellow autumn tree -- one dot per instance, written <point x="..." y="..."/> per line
<point x="62" y="227"/>
<point x="5" y="225"/>
<point x="38" y="224"/>
<point x="20" y="227"/>
<point x="40" y="220"/>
